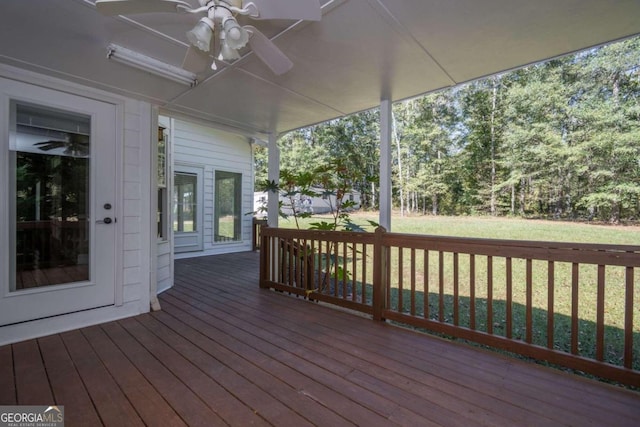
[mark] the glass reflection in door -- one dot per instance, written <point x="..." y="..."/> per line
<point x="50" y="202"/>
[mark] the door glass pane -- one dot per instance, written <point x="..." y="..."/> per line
<point x="185" y="202"/>
<point x="228" y="195"/>
<point x="49" y="152"/>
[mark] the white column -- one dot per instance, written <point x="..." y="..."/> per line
<point x="273" y="176"/>
<point x="385" y="164"/>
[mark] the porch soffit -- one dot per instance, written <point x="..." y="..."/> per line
<point x="361" y="51"/>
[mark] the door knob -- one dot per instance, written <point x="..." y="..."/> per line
<point x="106" y="220"/>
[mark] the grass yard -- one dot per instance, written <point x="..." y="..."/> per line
<point x="426" y="296"/>
<point x="496" y="228"/>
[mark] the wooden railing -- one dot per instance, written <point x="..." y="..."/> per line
<point x="574" y="305"/>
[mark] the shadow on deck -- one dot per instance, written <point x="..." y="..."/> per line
<point x="224" y="352"/>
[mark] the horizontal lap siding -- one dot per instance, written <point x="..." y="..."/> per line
<point x="164" y="266"/>
<point x="215" y="150"/>
<point x="136" y="179"/>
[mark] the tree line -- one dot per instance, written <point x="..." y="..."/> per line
<point x="559" y="139"/>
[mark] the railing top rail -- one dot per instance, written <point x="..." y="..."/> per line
<point x="332" y="236"/>
<point x="512" y="242"/>
<point x="394" y="238"/>
<point x="588" y="253"/>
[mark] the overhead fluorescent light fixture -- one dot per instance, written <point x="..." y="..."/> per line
<point x="146" y="63"/>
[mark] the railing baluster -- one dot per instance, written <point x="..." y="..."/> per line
<point x="550" y="303"/>
<point x="388" y="277"/>
<point x="413" y="281"/>
<point x="425" y="285"/>
<point x="336" y="266"/>
<point x="472" y="291"/>
<point x="279" y="260"/>
<point x="300" y="262"/>
<point x="311" y="282"/>
<point x="456" y="286"/>
<point x="628" y="318"/>
<point x="320" y="273"/>
<point x="509" y="308"/>
<point x="290" y="263"/>
<point x="344" y="270"/>
<point x="489" y="294"/>
<point x="600" y="315"/>
<point x="275" y="259"/>
<point x="575" y="268"/>
<point x="441" y="286"/>
<point x="529" y="303"/>
<point x="354" y="271"/>
<point x="400" y="289"/>
<point x="364" y="274"/>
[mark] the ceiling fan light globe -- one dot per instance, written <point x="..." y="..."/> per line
<point x="234" y="33"/>
<point x="200" y="35"/>
<point x="227" y="53"/>
<point x="236" y="36"/>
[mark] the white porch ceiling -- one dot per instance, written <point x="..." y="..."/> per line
<point x="361" y="51"/>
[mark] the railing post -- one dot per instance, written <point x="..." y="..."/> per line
<point x="255" y="235"/>
<point x="379" y="275"/>
<point x="265" y="256"/>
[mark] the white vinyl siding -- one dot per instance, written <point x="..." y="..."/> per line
<point x="136" y="203"/>
<point x="215" y="150"/>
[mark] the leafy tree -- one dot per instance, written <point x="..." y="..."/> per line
<point x="559" y="139"/>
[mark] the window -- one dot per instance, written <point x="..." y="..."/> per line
<point x="161" y="216"/>
<point x="185" y="202"/>
<point x="228" y="197"/>
<point x="50" y="171"/>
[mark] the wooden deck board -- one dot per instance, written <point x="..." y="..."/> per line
<point x="240" y="378"/>
<point x="223" y="352"/>
<point x="149" y="404"/>
<point x="306" y="386"/>
<point x="218" y="398"/>
<point x="442" y="409"/>
<point x="192" y="409"/>
<point x="66" y="383"/>
<point x="32" y="384"/>
<point x="7" y="379"/>
<point x="111" y="403"/>
<point x="371" y="368"/>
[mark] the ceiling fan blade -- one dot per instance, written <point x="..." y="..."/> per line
<point x="132" y="7"/>
<point x="268" y="52"/>
<point x="196" y="60"/>
<point x="308" y="10"/>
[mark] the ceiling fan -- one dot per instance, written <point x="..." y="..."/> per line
<point x="220" y="25"/>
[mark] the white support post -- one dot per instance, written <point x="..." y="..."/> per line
<point x="273" y="176"/>
<point x="385" y="164"/>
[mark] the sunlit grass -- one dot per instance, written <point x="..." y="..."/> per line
<point x="496" y="228"/>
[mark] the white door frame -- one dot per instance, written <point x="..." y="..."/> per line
<point x="101" y="290"/>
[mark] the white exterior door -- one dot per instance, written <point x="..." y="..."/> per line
<point x="58" y="217"/>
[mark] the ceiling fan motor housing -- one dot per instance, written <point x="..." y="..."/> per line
<point x="230" y="3"/>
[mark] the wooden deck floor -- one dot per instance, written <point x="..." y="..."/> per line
<point x="223" y="352"/>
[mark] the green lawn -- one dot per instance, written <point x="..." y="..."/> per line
<point x="519" y="229"/>
<point x="498" y="228"/>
